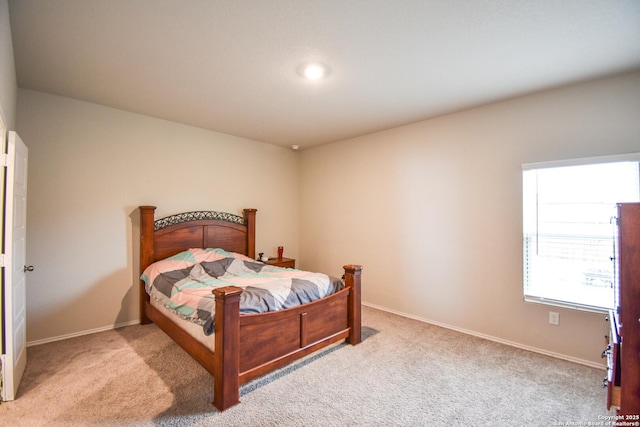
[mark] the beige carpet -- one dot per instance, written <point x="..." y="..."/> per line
<point x="404" y="373"/>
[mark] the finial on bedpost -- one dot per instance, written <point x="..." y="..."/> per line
<point x="352" y="281"/>
<point x="250" y="217"/>
<point x="146" y="254"/>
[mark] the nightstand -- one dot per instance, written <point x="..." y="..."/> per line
<point x="282" y="262"/>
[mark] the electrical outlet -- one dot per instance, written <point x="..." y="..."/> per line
<point x="554" y="318"/>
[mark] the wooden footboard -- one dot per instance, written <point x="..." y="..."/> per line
<point x="246" y="346"/>
<point x="253" y="345"/>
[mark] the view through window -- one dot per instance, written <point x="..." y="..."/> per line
<point x="568" y="229"/>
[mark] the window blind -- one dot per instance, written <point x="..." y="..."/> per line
<point x="568" y="233"/>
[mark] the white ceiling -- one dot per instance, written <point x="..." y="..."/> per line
<point x="231" y="65"/>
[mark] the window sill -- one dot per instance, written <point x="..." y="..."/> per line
<point x="565" y="304"/>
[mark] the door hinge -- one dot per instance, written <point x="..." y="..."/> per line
<point x="3" y="260"/>
<point x="4" y="160"/>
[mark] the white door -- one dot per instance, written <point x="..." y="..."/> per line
<point x="14" y="349"/>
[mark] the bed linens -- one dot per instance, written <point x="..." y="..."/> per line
<point x="183" y="284"/>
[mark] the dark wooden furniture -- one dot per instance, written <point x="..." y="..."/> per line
<point x="623" y="352"/>
<point x="246" y="346"/>
<point x="282" y="262"/>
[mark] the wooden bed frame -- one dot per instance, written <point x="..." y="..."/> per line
<point x="246" y="346"/>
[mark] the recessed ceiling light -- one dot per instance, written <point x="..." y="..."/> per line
<point x="314" y="71"/>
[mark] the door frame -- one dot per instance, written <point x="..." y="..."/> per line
<point x="3" y="149"/>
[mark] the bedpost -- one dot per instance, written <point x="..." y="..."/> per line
<point x="352" y="280"/>
<point x="250" y="217"/>
<point x="146" y="254"/>
<point x="226" y="354"/>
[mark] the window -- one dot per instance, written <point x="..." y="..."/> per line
<point x="568" y="228"/>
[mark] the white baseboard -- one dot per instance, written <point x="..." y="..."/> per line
<point x="388" y="310"/>
<point x="81" y="333"/>
<point x="492" y="338"/>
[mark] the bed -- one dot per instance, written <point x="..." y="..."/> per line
<point x="243" y="346"/>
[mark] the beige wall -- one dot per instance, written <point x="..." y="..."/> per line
<point x="446" y="191"/>
<point x="91" y="166"/>
<point x="432" y="210"/>
<point x="8" y="85"/>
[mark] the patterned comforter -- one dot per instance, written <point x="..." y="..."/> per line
<point x="183" y="283"/>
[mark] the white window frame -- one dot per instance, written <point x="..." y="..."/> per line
<point x="556" y="164"/>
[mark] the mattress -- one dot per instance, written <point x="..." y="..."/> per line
<point x="191" y="328"/>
